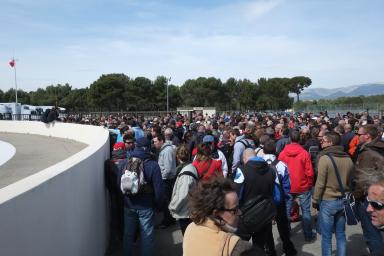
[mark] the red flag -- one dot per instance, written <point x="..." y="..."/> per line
<point x="12" y="63"/>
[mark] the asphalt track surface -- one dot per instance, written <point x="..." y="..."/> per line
<point x="33" y="154"/>
<point x="168" y="242"/>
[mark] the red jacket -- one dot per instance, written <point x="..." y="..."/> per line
<point x="299" y="165"/>
<point x="207" y="169"/>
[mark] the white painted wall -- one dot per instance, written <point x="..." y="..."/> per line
<point x="62" y="209"/>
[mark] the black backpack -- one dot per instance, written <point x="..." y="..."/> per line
<point x="246" y="144"/>
<point x="257" y="213"/>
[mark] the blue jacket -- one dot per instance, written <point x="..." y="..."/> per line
<point x="152" y="176"/>
<point x="282" y="171"/>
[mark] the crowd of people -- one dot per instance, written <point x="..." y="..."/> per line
<point x="207" y="173"/>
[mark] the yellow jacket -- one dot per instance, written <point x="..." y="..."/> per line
<point x="208" y="239"/>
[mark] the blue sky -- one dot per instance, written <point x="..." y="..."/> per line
<point x="335" y="43"/>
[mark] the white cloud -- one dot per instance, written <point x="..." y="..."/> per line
<point x="255" y="9"/>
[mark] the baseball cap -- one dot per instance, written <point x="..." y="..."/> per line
<point x="208" y="138"/>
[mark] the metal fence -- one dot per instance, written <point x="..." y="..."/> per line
<point x="334" y="109"/>
<point x="88" y="115"/>
<point x="146" y="114"/>
<point x="20" y="117"/>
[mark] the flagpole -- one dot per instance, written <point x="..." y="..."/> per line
<point x="15" y="80"/>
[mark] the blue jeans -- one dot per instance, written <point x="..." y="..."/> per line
<point x="143" y="219"/>
<point x="372" y="235"/>
<point x="332" y="218"/>
<point x="305" y="204"/>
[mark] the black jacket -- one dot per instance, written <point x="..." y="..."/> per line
<point x="258" y="179"/>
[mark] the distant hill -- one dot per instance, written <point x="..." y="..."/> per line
<point x="350" y="91"/>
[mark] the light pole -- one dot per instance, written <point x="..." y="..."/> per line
<point x="168" y="80"/>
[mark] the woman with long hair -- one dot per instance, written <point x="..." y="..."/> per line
<point x="215" y="215"/>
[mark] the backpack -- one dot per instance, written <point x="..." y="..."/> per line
<point x="188" y="173"/>
<point x="246" y="144"/>
<point x="258" y="150"/>
<point x="278" y="192"/>
<point x="257" y="212"/>
<point x="132" y="180"/>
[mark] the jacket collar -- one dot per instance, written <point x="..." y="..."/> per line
<point x="337" y="151"/>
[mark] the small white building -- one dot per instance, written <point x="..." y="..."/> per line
<point x="210" y="111"/>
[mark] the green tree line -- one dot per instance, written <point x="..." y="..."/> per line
<point x="118" y="92"/>
<point x="353" y="101"/>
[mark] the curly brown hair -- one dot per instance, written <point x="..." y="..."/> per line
<point x="182" y="153"/>
<point x="204" y="152"/>
<point x="208" y="197"/>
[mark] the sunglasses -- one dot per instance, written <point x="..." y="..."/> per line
<point x="234" y="211"/>
<point x="376" y="205"/>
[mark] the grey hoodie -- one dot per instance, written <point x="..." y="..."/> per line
<point x="167" y="161"/>
<point x="184" y="184"/>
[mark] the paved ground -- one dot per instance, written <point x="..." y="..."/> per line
<point x="33" y="154"/>
<point x="168" y="242"/>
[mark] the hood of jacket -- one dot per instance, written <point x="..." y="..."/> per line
<point x="258" y="164"/>
<point x="336" y="151"/>
<point x="141" y="153"/>
<point x="166" y="144"/>
<point x="293" y="149"/>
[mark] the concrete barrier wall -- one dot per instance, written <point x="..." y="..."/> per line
<point x="62" y="209"/>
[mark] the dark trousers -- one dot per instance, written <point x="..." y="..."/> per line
<point x="284" y="232"/>
<point x="168" y="187"/>
<point x="259" y="238"/>
<point x="183" y="223"/>
<point x="116" y="224"/>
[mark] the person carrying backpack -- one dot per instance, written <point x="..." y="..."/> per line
<point x="256" y="190"/>
<point x="281" y="196"/>
<point x="186" y="182"/>
<point x="240" y="143"/>
<point x="139" y="207"/>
